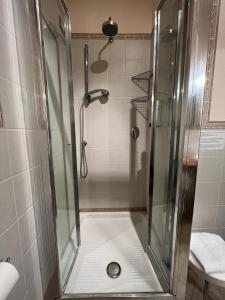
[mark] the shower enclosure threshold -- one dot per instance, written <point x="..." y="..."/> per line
<point x="113" y="237"/>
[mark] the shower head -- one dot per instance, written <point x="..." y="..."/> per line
<point x="110" y="29"/>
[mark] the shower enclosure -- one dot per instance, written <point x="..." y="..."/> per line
<point x="57" y="67"/>
<point x="173" y="156"/>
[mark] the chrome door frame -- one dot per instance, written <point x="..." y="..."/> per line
<point x="179" y="68"/>
<point x="59" y="288"/>
<point x="189" y="146"/>
<point x="198" y="26"/>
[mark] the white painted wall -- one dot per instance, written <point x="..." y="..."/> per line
<point x="217" y="110"/>
<point x="132" y="16"/>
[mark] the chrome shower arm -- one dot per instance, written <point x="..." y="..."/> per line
<point x="86" y="63"/>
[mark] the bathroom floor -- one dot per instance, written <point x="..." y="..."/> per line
<point x="113" y="237"/>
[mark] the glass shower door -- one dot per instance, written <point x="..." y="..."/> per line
<point x="61" y="130"/>
<point x="165" y="137"/>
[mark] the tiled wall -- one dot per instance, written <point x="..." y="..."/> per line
<point x="26" y="227"/>
<point x="116" y="163"/>
<point x="209" y="211"/>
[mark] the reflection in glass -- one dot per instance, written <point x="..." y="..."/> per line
<point x="56" y="65"/>
<point x="162" y="157"/>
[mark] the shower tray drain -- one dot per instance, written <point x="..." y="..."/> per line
<point x="113" y="270"/>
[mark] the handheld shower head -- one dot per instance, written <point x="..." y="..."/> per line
<point x="110" y="29"/>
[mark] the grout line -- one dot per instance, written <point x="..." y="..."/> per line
<point x="16" y="221"/>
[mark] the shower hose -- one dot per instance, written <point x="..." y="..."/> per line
<point x="83" y="160"/>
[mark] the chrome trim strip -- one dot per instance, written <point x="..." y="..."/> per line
<point x="122" y="296"/>
<point x="46" y="109"/>
<point x="193" y="91"/>
<point x="73" y="131"/>
<point x="158" y="271"/>
<point x="70" y="271"/>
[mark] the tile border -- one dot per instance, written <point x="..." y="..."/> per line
<point x="211" y="56"/>
<point x="121" y="36"/>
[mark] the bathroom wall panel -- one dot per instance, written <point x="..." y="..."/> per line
<point x="217" y="108"/>
<point x="26" y="224"/>
<point x="8" y="59"/>
<point x="13" y="109"/>
<point x="204" y="216"/>
<point x="4" y="156"/>
<point x="222" y="193"/>
<point x="7" y="205"/>
<point x="209" y="211"/>
<point x="117" y="163"/>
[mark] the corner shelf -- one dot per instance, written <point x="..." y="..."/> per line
<point x="142" y="104"/>
<point x="143" y="81"/>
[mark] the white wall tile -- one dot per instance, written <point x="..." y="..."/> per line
<point x="220" y="217"/>
<point x="210" y="195"/>
<point x="22" y="152"/>
<point x="17" y="151"/>
<point x="113" y="157"/>
<point x="37" y="184"/>
<point x="204" y="216"/>
<point x="222" y="193"/>
<point x="11" y="102"/>
<point x="135" y="49"/>
<point x="207" y="193"/>
<point x="210" y="169"/>
<point x="10" y="245"/>
<point x="27" y="230"/>
<point x="6" y="17"/>
<point x="4" y="156"/>
<point x="31" y="265"/>
<point x="8" y="59"/>
<point x="30" y="112"/>
<point x="33" y="144"/>
<point x="117" y="50"/>
<point x="119" y="113"/>
<point x="7" y="205"/>
<point x="37" y="216"/>
<point x="23" y="192"/>
<point x="28" y="268"/>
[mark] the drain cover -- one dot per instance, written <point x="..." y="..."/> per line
<point x="113" y="270"/>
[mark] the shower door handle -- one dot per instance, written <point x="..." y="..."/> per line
<point x="135" y="132"/>
<point x="158" y="114"/>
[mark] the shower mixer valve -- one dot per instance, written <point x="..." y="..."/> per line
<point x="102" y="92"/>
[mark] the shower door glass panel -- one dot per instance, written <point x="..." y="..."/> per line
<point x="58" y="95"/>
<point x="163" y="165"/>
